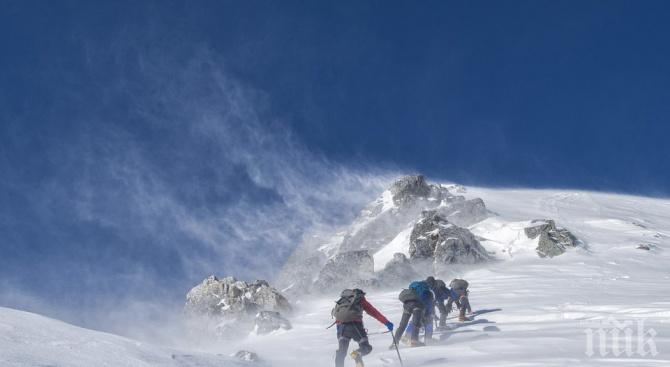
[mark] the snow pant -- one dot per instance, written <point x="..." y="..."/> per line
<point x="414" y="310"/>
<point x="347" y="331"/>
<point x="444" y="311"/>
<point x="428" y="326"/>
<point x="426" y="323"/>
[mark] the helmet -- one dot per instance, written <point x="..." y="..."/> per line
<point x="431" y="281"/>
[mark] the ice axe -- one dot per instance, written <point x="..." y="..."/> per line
<point x="395" y="344"/>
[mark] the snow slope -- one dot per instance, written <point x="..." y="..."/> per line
<point x="27" y="339"/>
<point x="400" y="244"/>
<point x="535" y="311"/>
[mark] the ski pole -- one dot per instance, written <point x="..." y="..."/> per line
<point x="379" y="333"/>
<point x="395" y="343"/>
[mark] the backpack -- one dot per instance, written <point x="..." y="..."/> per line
<point x="422" y="290"/>
<point x="459" y="284"/>
<point x="408" y="295"/>
<point x="349" y="308"/>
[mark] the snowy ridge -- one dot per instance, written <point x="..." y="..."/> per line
<point x="534" y="311"/>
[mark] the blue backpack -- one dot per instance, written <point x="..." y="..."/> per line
<point x="422" y="289"/>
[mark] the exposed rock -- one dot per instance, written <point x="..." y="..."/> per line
<point x="269" y="321"/>
<point x="407" y="189"/>
<point x="229" y="296"/>
<point x="411" y="195"/>
<point x="643" y="246"/>
<point x="397" y="271"/>
<point x="434" y="238"/>
<point x="460" y="189"/>
<point x="553" y="240"/>
<point x="378" y="224"/>
<point x="346" y="270"/>
<point x="247" y="356"/>
<point x="227" y="308"/>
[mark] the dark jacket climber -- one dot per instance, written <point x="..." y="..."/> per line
<point x="418" y="306"/>
<point x="442" y="294"/>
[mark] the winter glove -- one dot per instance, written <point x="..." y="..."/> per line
<point x="389" y="325"/>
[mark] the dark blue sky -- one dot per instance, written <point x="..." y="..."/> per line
<point x="114" y="159"/>
<point x="533" y="93"/>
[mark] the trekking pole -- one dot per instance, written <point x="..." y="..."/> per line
<point x="379" y="333"/>
<point x="395" y="343"/>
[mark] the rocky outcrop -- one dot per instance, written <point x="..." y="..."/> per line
<point x="228" y="307"/>
<point x="408" y="189"/>
<point x="247" y="356"/>
<point x="553" y="241"/>
<point x="351" y="269"/>
<point x="379" y="223"/>
<point x="269" y="321"/>
<point x="230" y="296"/>
<point x="434" y="238"/>
<point x="397" y="271"/>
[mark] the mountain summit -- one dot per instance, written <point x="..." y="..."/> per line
<point x="414" y="228"/>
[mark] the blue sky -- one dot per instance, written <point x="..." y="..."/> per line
<point x="144" y="145"/>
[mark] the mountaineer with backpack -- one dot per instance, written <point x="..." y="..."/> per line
<point x="459" y="290"/>
<point x="417" y="303"/>
<point x="348" y="314"/>
<point x="442" y="294"/>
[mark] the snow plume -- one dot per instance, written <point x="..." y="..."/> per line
<point x="170" y="170"/>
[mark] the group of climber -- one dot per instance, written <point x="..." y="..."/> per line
<point x="419" y="302"/>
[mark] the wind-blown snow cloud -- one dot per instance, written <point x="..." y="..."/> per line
<point x="176" y="170"/>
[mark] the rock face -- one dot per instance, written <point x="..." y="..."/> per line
<point x="269" y="321"/>
<point x="553" y="240"/>
<point x="397" y="271"/>
<point x="402" y="204"/>
<point x="229" y="296"/>
<point x="347" y="270"/>
<point x="329" y="260"/>
<point x="434" y="238"/>
<point x="227" y="307"/>
<point x="378" y="223"/>
<point x="408" y="189"/>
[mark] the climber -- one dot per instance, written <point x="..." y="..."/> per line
<point x="417" y="304"/>
<point x="459" y="295"/>
<point x="442" y="294"/>
<point x="348" y="314"/>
